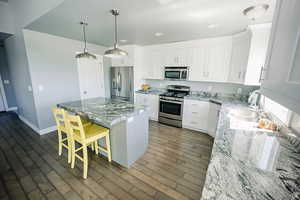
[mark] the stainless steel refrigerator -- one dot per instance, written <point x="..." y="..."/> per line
<point x="122" y="83"/>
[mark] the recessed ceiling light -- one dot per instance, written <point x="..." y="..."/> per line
<point x="213" y="25"/>
<point x="255" y="12"/>
<point x="158" y="34"/>
<point x="123" y="41"/>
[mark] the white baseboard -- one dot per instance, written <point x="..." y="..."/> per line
<point x="36" y="129"/>
<point x="47" y="130"/>
<point x="32" y="126"/>
<point x="12" y="109"/>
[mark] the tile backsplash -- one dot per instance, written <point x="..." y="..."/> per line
<point x="213" y="87"/>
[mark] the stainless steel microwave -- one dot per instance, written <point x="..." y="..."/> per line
<point x="176" y="73"/>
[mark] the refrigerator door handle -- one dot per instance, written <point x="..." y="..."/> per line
<point x="119" y="81"/>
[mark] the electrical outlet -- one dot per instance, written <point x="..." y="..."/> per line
<point x="29" y="88"/>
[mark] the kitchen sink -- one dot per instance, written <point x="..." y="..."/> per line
<point x="244" y="114"/>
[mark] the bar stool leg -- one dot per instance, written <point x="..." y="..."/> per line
<point x="73" y="154"/>
<point x="96" y="147"/>
<point x="59" y="142"/>
<point x="69" y="150"/>
<point x="85" y="161"/>
<point x="108" y="147"/>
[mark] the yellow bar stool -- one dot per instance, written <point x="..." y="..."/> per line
<point x="86" y="135"/>
<point x="64" y="132"/>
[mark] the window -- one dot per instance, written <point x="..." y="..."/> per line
<point x="281" y="112"/>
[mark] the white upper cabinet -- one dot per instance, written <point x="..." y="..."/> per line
<point x="177" y="57"/>
<point x="258" y="53"/>
<point x="218" y="62"/>
<point x="198" y="68"/>
<point x="239" y="57"/>
<point x="282" y="79"/>
<point x="210" y="61"/>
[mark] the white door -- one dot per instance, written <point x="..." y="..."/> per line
<point x="91" y="77"/>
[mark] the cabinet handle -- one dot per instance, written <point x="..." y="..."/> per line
<point x="261" y="72"/>
<point x="240" y="75"/>
<point x="194" y="112"/>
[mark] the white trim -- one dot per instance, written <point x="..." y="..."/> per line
<point x="12" y="109"/>
<point x="32" y="126"/>
<point x="36" y="129"/>
<point x="3" y="94"/>
<point x="47" y="130"/>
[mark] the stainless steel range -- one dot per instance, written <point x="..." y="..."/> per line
<point x="171" y="105"/>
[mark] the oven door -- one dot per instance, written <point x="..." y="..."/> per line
<point x="172" y="74"/>
<point x="170" y="109"/>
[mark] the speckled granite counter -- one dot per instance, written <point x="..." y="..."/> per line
<point x="252" y="165"/>
<point x="103" y="111"/>
<point x="128" y="124"/>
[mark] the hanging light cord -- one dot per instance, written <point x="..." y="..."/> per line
<point x="116" y="30"/>
<point x="84" y="34"/>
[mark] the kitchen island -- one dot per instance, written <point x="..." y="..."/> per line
<point x="128" y="124"/>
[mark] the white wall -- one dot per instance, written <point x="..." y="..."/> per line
<point x="53" y="68"/>
<point x="24" y="12"/>
<point x="6" y="18"/>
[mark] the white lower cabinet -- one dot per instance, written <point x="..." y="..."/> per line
<point x="200" y="116"/>
<point x="213" y="118"/>
<point x="195" y="115"/>
<point x="150" y="100"/>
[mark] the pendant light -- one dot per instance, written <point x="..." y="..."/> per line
<point x="255" y="12"/>
<point x="85" y="53"/>
<point x="115" y="52"/>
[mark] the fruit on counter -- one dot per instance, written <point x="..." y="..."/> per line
<point x="145" y="87"/>
<point x="267" y="124"/>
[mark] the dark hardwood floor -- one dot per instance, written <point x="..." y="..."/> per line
<point x="174" y="167"/>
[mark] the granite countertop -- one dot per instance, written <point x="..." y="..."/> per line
<point x="251" y="164"/>
<point x="103" y="111"/>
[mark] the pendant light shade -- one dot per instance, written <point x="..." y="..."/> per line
<point x="85" y="53"/>
<point x="115" y="52"/>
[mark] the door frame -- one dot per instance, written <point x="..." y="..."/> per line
<point x="3" y="94"/>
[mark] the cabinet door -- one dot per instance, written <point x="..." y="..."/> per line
<point x="195" y="115"/>
<point x="156" y="65"/>
<point x="282" y="81"/>
<point x="153" y="103"/>
<point x="198" y="67"/>
<point x="213" y="118"/>
<point x="257" y="53"/>
<point x="239" y="57"/>
<point x="218" y="62"/>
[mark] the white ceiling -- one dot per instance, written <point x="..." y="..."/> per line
<point x="179" y="20"/>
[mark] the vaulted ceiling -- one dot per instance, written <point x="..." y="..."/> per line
<point x="178" y="20"/>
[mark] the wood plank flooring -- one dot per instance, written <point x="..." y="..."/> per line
<point x="174" y="167"/>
